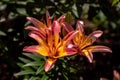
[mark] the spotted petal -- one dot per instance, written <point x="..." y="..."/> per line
<point x="49" y="63"/>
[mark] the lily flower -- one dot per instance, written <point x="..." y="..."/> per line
<point x="50" y="44"/>
<point x="83" y="43"/>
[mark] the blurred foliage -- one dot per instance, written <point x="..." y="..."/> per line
<point x="97" y="14"/>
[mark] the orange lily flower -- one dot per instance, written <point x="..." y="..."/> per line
<point x="50" y="43"/>
<point x="83" y="43"/>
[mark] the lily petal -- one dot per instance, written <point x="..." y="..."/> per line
<point x="71" y="51"/>
<point x="80" y="27"/>
<point x="56" y="30"/>
<point x="37" y="38"/>
<point x="69" y="36"/>
<point x="88" y="54"/>
<point x="37" y="31"/>
<point x="49" y="38"/>
<point x="37" y="23"/>
<point x="48" y="19"/>
<point x="91" y="38"/>
<point x="49" y="63"/>
<point x="96" y="34"/>
<point x="36" y="49"/>
<point x="61" y="18"/>
<point x="98" y="49"/>
<point x="67" y="27"/>
<point x="60" y="52"/>
<point x="80" y="36"/>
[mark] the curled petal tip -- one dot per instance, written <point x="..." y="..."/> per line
<point x="30" y="49"/>
<point x="98" y="33"/>
<point x="28" y="18"/>
<point x="99" y="49"/>
<point x="46" y="69"/>
<point x="49" y="63"/>
<point x="28" y="27"/>
<point x="81" y="22"/>
<point x="110" y="50"/>
<point x="26" y="49"/>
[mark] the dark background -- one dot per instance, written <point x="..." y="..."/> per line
<point x="97" y="14"/>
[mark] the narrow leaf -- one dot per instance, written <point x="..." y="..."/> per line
<point x="41" y="68"/>
<point x="24" y="60"/>
<point x="115" y="2"/>
<point x="24" y="73"/>
<point x="35" y="63"/>
<point x="44" y="77"/>
<point x="33" y="56"/>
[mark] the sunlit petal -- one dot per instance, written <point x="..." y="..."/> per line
<point x="49" y="63"/>
<point x="50" y="38"/>
<point x="96" y="34"/>
<point x="80" y="27"/>
<point x="37" y="38"/>
<point x="88" y="54"/>
<point x="30" y="49"/>
<point x="60" y="52"/>
<point x="91" y="38"/>
<point x="36" y="49"/>
<point x="56" y="31"/>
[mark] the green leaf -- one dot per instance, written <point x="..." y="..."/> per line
<point x="114" y="2"/>
<point x="72" y="69"/>
<point x="24" y="60"/>
<point x="34" y="78"/>
<point x="2" y="33"/>
<point x="35" y="63"/>
<point x="44" y="77"/>
<point x="68" y="18"/>
<point x="24" y="72"/>
<point x="41" y="68"/>
<point x="27" y="68"/>
<point x="20" y="64"/>
<point x="33" y="56"/>
<point x="66" y="78"/>
<point x="74" y="10"/>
